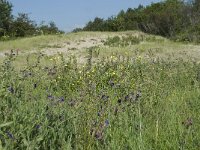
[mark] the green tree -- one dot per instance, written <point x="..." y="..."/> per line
<point x="5" y="16"/>
<point x="50" y="28"/>
<point x="23" y="26"/>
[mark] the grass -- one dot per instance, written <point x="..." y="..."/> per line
<point x="116" y="103"/>
<point x="136" y="96"/>
<point x="39" y="42"/>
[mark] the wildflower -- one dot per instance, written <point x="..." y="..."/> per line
<point x="37" y="126"/>
<point x="10" y="135"/>
<point x="126" y="98"/>
<point x="113" y="73"/>
<point x="11" y="89"/>
<point x="107" y="123"/>
<point x="50" y="97"/>
<point x="61" y="99"/>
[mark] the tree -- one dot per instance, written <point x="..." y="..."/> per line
<point x="53" y="28"/>
<point x="22" y="26"/>
<point x="50" y="28"/>
<point x="96" y="25"/>
<point x="5" y="17"/>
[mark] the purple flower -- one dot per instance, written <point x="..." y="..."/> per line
<point x="10" y="89"/>
<point x="107" y="123"/>
<point x="10" y="135"/>
<point x="126" y="98"/>
<point x="50" y="97"/>
<point x="61" y="99"/>
<point x="37" y="126"/>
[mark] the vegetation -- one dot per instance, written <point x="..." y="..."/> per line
<point x="175" y="19"/>
<point x="131" y="90"/>
<point x="115" y="103"/>
<point x="123" y="41"/>
<point x="21" y="26"/>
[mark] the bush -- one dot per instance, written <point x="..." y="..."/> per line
<point x="122" y="42"/>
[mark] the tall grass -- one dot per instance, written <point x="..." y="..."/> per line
<point x="115" y="103"/>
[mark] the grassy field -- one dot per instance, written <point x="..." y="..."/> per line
<point x="127" y="90"/>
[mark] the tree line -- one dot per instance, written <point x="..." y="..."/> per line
<point x="22" y="25"/>
<point x="175" y="19"/>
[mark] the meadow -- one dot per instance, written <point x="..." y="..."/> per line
<point x="126" y="90"/>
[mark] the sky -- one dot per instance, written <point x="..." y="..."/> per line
<point x="70" y="14"/>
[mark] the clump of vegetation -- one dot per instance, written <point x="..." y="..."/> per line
<point x="94" y="51"/>
<point x="115" y="103"/>
<point x="113" y="41"/>
<point x="116" y="41"/>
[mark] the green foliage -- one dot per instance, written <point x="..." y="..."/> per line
<point x="5" y="17"/>
<point x="169" y="18"/>
<point x="22" y="25"/>
<point x="116" y="103"/>
<point x="48" y="29"/>
<point x="124" y="41"/>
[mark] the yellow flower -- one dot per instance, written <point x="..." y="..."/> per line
<point x="113" y="73"/>
<point x="139" y="58"/>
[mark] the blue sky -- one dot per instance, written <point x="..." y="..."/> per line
<point x="69" y="14"/>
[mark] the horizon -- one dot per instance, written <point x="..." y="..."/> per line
<point x="83" y="12"/>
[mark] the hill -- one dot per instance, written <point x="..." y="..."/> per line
<point x="94" y="90"/>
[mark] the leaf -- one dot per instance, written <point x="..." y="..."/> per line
<point x="6" y="124"/>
